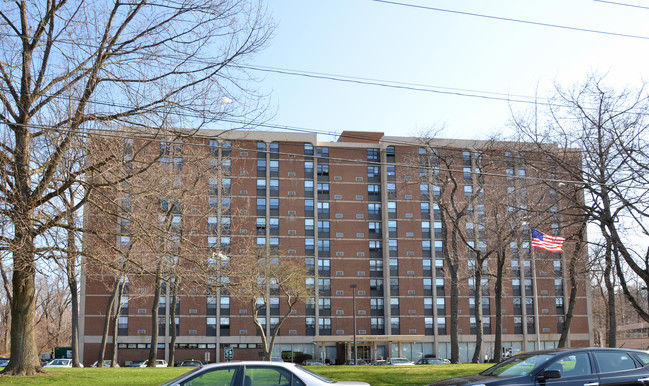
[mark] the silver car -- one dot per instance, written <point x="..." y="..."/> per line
<point x="59" y="363"/>
<point x="255" y="373"/>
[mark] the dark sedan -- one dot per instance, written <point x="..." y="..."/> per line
<point x="565" y="367"/>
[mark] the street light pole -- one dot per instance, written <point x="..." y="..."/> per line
<point x="353" y="287"/>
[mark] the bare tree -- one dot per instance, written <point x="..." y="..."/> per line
<point x="455" y="206"/>
<point x="607" y="128"/>
<point x="69" y="68"/>
<point x="262" y="274"/>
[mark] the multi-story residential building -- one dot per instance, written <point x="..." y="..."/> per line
<point x="371" y="218"/>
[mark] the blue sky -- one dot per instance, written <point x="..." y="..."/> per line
<point x="395" y="43"/>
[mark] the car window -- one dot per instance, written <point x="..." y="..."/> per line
<point x="216" y="377"/>
<point x="610" y="361"/>
<point x="268" y="376"/>
<point x="521" y="364"/>
<point x="644" y="358"/>
<point x="572" y="365"/>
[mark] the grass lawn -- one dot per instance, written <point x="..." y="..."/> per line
<point x="374" y="375"/>
<point x="399" y="375"/>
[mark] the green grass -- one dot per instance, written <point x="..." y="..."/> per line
<point x="99" y="376"/>
<point x="399" y="375"/>
<point x="374" y="375"/>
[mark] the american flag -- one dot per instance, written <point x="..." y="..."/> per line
<point x="547" y="242"/>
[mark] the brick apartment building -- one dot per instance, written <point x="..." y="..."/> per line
<point x="360" y="211"/>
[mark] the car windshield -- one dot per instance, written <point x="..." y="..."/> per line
<point x="521" y="364"/>
<point x="400" y="360"/>
<point x="59" y="362"/>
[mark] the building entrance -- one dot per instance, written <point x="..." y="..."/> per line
<point x="364" y="352"/>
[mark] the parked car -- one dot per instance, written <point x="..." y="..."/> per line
<point x="565" y="367"/>
<point x="431" y="361"/>
<point x="400" y="362"/>
<point x="256" y="373"/>
<point x="380" y="362"/>
<point x="107" y="363"/>
<point x="59" y="363"/>
<point x="313" y="362"/>
<point x="190" y="363"/>
<point x="135" y="364"/>
<point x="4" y="362"/>
<point x="158" y="363"/>
<point x="360" y="362"/>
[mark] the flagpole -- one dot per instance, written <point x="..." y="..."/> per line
<point x="535" y="296"/>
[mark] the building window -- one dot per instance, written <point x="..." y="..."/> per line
<point x="389" y="153"/>
<point x="375" y="227"/>
<point x="376" y="267"/>
<point x="376" y="284"/>
<point x="557" y="268"/>
<point x="377" y="325"/>
<point x="441" y="326"/>
<point x="516" y="287"/>
<point x="441" y="306"/>
<point x="393" y="247"/>
<point x="324" y="326"/>
<point x="323" y="170"/>
<point x="559" y="305"/>
<point x="122" y="325"/>
<point x="322" y="151"/>
<point x="375" y="246"/>
<point x="373" y="155"/>
<point x="323" y="246"/>
<point x="428" y="285"/>
<point x="309" y="224"/>
<point x="395" y="326"/>
<point x="518" y="324"/>
<point x="323" y="226"/>
<point x="261" y="205"/>
<point x="323" y="188"/>
<point x="309" y="246"/>
<point x="392" y="208"/>
<point x="323" y="208"/>
<point x="308" y="169"/>
<point x="425" y="248"/>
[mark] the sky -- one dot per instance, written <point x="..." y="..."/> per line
<point x="390" y="43"/>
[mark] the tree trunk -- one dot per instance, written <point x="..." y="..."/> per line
<point x="610" y="289"/>
<point x="153" y="351"/>
<point x="498" y="300"/>
<point x="74" y="297"/>
<point x="563" y="339"/>
<point x="71" y="272"/>
<point x="572" y="271"/>
<point x="24" y="353"/>
<point x="172" y="316"/>
<point x="118" y="313"/>
<point x="455" y="295"/>
<point x="109" y="312"/>
<point x="261" y="329"/>
<point x="478" y="312"/>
